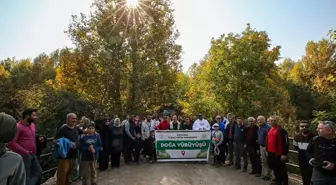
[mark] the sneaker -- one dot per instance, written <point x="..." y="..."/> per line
<point x="266" y="178"/>
<point x="252" y="173"/>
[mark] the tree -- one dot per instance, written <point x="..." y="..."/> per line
<point x="244" y="71"/>
<point x="130" y="55"/>
<point x="200" y="96"/>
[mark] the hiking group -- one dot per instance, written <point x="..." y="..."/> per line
<point x="80" y="145"/>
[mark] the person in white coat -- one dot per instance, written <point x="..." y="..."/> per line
<point x="201" y="124"/>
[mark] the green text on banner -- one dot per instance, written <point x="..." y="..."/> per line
<point x="182" y="145"/>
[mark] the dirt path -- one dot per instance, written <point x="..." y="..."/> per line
<point x="176" y="174"/>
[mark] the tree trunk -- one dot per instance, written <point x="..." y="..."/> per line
<point x="132" y="103"/>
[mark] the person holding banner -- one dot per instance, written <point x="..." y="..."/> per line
<point x="200" y="123"/>
<point x="175" y="124"/>
<point x="187" y="124"/>
<point x="164" y="125"/>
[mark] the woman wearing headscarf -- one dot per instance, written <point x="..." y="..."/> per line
<point x="117" y="135"/>
<point x="11" y="164"/>
<point x="105" y="136"/>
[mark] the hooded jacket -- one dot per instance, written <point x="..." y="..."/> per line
<point x="11" y="164"/>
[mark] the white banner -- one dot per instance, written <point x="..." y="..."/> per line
<point x="182" y="145"/>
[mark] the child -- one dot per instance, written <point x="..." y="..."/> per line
<point x="152" y="149"/>
<point x="217" y="140"/>
<point x="90" y="144"/>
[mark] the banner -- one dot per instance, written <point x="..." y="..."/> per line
<point x="182" y="145"/>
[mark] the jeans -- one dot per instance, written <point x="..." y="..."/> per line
<point x="241" y="151"/>
<point x="306" y="174"/>
<point x="265" y="167"/>
<point x="255" y="159"/>
<point x="230" y="151"/>
<point x="319" y="178"/>
<point x="279" y="168"/>
<point x="33" y="169"/>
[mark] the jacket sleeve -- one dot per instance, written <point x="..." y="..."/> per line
<point x="285" y="142"/>
<point x="127" y="130"/>
<point x="143" y="131"/>
<point x="99" y="144"/>
<point x="208" y="127"/>
<point x="295" y="144"/>
<point x="15" y="147"/>
<point x="310" y="148"/>
<point x="40" y="145"/>
<point x="222" y="138"/>
<point x="245" y="131"/>
<point x="256" y="138"/>
<point x="195" y="125"/>
<point x="19" y="175"/>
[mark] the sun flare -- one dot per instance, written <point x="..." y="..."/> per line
<point x="132" y="3"/>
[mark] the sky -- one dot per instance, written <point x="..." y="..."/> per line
<point x="31" y="27"/>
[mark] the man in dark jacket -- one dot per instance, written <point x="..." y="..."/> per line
<point x="277" y="150"/>
<point x="229" y="134"/>
<point x="253" y="148"/>
<point x="239" y="143"/>
<point x="300" y="143"/>
<point x="322" y="154"/>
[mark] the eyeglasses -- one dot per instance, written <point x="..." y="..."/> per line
<point x="304" y="126"/>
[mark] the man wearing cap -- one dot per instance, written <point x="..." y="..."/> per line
<point x="200" y="123"/>
<point x="322" y="154"/>
<point x="11" y="164"/>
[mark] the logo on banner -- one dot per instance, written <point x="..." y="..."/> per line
<point x="183" y="152"/>
<point x="204" y="136"/>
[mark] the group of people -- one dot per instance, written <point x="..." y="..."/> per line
<point x="266" y="144"/>
<point x="81" y="144"/>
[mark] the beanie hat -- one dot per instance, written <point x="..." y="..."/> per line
<point x="8" y="128"/>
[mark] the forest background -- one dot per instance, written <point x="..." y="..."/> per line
<point x="128" y="62"/>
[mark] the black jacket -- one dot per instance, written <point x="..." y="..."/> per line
<point x="322" y="149"/>
<point x="251" y="140"/>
